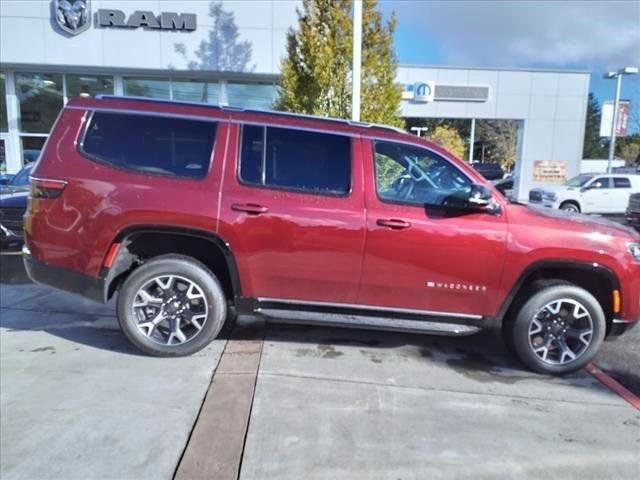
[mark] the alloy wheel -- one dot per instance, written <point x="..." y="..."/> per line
<point x="170" y="309"/>
<point x="561" y="331"/>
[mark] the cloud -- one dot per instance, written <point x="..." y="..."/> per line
<point x="584" y="34"/>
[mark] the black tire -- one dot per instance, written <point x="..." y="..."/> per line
<point x="570" y="206"/>
<point x="184" y="267"/>
<point x="516" y="329"/>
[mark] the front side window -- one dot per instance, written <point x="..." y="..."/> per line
<point x="600" y="183"/>
<point x="579" y="181"/>
<point x="149" y="144"/>
<point x="621" y="182"/>
<point x="414" y="175"/>
<point x="297" y="160"/>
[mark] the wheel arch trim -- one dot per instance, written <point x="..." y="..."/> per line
<point x="109" y="274"/>
<point x="554" y="264"/>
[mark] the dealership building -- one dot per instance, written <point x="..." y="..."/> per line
<point x="196" y="51"/>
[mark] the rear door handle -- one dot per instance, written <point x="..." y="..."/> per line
<point x="393" y="223"/>
<point x="251" y="208"/>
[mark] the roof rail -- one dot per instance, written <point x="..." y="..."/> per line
<point x="352" y="123"/>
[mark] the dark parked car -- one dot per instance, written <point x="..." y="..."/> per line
<point x="184" y="210"/>
<point x="13" y="203"/>
<point x="490" y="171"/>
<point x="633" y="210"/>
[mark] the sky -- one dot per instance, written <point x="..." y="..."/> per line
<point x="597" y="36"/>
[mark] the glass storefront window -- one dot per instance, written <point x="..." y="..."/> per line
<point x="41" y="99"/>
<point x="250" y="95"/>
<point x="31" y="147"/>
<point x="147" y="87"/>
<point x="195" y="91"/>
<point x="89" y="85"/>
<point x="3" y="104"/>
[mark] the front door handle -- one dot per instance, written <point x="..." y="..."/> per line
<point x="251" y="208"/>
<point x="393" y="223"/>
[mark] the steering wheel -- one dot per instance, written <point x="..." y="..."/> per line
<point x="403" y="186"/>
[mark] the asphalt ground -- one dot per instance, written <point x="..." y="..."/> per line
<point x="270" y="401"/>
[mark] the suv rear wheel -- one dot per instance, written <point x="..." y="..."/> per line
<point x="171" y="306"/>
<point x="557" y="330"/>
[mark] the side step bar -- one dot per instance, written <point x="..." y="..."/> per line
<point x="367" y="322"/>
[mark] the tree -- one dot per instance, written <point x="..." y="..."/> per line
<point x="628" y="148"/>
<point x="593" y="148"/>
<point x="316" y="72"/>
<point x="449" y="138"/>
<point x="222" y="51"/>
<point x="497" y="141"/>
<point x="462" y="127"/>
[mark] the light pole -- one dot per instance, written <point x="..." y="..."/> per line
<point x="357" y="60"/>
<point x="614" y="121"/>
<point x="419" y="130"/>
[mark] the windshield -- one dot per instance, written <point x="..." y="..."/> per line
<point x="579" y="181"/>
<point x="22" y="177"/>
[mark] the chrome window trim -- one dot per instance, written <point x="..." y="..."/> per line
<point x="354" y="306"/>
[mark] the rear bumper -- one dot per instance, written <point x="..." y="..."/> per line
<point x="64" y="279"/>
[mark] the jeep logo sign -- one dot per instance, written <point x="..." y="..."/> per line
<point x="147" y="19"/>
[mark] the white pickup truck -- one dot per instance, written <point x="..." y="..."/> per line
<point x="590" y="193"/>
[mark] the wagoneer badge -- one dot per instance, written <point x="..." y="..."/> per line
<point x="73" y="16"/>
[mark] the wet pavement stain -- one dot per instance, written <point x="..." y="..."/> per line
<point x="371" y="356"/>
<point x="321" y="351"/>
<point x="479" y="368"/>
<point x="45" y="349"/>
<point x="353" y="341"/>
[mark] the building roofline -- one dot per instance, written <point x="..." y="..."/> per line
<point x="499" y="69"/>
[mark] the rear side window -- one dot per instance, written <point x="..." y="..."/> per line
<point x="621" y="182"/>
<point x="151" y="144"/>
<point x="296" y="160"/>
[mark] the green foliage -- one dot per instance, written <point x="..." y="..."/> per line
<point x="387" y="171"/>
<point x="316" y="72"/>
<point x="449" y="138"/>
<point x="628" y="148"/>
<point x="497" y="142"/>
<point x="593" y="147"/>
<point x="461" y="126"/>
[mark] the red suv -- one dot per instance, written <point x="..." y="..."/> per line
<point x="194" y="213"/>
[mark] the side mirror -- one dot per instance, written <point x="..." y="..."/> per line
<point x="480" y="196"/>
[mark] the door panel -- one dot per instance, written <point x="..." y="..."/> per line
<point x="598" y="197"/>
<point x="291" y="244"/>
<point x="438" y="261"/>
<point x="620" y="195"/>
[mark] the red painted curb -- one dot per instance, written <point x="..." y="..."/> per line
<point x="612" y="384"/>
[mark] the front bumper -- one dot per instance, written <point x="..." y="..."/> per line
<point x="633" y="217"/>
<point x="618" y="327"/>
<point x="64" y="279"/>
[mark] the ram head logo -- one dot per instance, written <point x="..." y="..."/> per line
<point x="73" y="15"/>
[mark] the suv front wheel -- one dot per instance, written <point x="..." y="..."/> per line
<point x="171" y="306"/>
<point x="557" y="330"/>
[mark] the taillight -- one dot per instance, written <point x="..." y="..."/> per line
<point x="46" y="187"/>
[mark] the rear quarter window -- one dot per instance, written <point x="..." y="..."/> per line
<point x="150" y="144"/>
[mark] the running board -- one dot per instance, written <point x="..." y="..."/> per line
<point x="367" y="322"/>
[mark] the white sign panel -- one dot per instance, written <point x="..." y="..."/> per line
<point x="606" y="118"/>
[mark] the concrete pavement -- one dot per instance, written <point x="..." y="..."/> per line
<point x="78" y="402"/>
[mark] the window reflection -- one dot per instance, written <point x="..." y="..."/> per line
<point x="250" y="95"/>
<point x="3" y="104"/>
<point x="89" y="85"/>
<point x="147" y="87"/>
<point x="195" y="91"/>
<point x="40" y="97"/>
<point x="31" y="148"/>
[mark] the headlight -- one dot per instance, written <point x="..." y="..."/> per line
<point x="634" y="248"/>
<point x="552" y="197"/>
